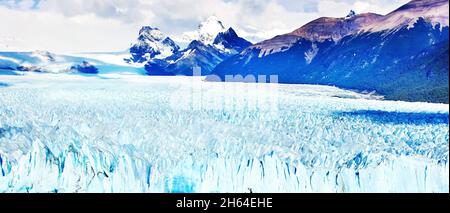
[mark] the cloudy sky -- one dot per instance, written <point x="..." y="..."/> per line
<point x="111" y="25"/>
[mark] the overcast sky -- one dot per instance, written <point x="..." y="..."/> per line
<point x="111" y="25"/>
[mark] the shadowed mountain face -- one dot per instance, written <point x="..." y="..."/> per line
<point x="229" y="40"/>
<point x="197" y="54"/>
<point x="402" y="58"/>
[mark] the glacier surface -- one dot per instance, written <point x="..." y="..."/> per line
<point x="114" y="133"/>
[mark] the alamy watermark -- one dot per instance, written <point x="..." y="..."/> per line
<point x="233" y="93"/>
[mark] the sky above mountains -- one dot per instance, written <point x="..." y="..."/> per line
<point x="101" y="25"/>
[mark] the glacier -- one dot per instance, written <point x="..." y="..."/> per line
<point x="129" y="133"/>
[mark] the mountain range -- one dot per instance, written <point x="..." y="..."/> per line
<point x="402" y="55"/>
<point x="209" y="45"/>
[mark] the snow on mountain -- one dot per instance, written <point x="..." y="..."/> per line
<point x="319" y="30"/>
<point x="435" y="12"/>
<point x="199" y="54"/>
<point x="39" y="61"/>
<point x="230" y="42"/>
<point x="209" y="45"/>
<point x="326" y="28"/>
<point x="115" y="58"/>
<point x="206" y="32"/>
<point x="152" y="43"/>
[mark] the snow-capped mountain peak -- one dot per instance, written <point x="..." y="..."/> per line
<point x="152" y="43"/>
<point x="211" y="26"/>
<point x="150" y="33"/>
<point x="206" y="32"/>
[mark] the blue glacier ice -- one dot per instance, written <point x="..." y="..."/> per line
<point x="69" y="133"/>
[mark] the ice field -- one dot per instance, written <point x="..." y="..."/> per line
<point x="131" y="133"/>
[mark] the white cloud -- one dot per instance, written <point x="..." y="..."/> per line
<point x="99" y="25"/>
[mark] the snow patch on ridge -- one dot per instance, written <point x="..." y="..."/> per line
<point x="311" y="54"/>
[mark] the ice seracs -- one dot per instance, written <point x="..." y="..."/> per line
<point x="70" y="133"/>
